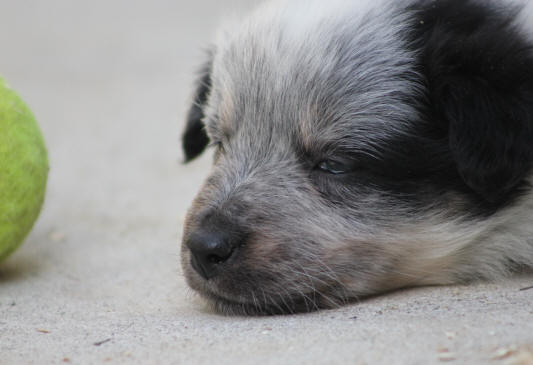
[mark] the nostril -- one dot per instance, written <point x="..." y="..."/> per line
<point x="216" y="259"/>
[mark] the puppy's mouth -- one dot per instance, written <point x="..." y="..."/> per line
<point x="240" y="288"/>
<point x="306" y="302"/>
<point x="260" y="302"/>
<point x="257" y="307"/>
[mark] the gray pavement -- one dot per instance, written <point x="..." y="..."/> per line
<point x="98" y="279"/>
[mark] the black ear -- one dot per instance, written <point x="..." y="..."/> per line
<point x="479" y="70"/>
<point x="195" y="139"/>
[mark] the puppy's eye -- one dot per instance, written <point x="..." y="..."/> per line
<point x="334" y="167"/>
<point x="217" y="145"/>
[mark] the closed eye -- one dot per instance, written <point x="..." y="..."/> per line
<point x="219" y="149"/>
<point x="215" y="144"/>
<point x="336" y="167"/>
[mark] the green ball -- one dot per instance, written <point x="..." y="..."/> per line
<point x="23" y="170"/>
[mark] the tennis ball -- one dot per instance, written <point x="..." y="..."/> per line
<point x="23" y="170"/>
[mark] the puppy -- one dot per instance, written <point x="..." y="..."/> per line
<point x="361" y="146"/>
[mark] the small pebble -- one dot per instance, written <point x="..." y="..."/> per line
<point x="447" y="356"/>
<point x="450" y="335"/>
<point x="503" y="352"/>
<point x="57" y="236"/>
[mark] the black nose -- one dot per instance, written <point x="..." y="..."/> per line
<point x="209" y="250"/>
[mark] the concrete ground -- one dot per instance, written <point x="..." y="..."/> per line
<point x="98" y="279"/>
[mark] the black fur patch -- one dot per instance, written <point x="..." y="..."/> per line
<point x="479" y="75"/>
<point x="194" y="138"/>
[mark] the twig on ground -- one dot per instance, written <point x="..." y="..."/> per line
<point x="99" y="343"/>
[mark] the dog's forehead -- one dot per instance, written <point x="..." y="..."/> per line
<point x="329" y="73"/>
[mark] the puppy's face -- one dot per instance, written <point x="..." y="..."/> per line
<point x="349" y="156"/>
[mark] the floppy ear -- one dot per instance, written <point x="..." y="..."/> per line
<point x="479" y="70"/>
<point x="194" y="138"/>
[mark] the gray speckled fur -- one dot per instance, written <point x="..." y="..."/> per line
<point x="285" y="76"/>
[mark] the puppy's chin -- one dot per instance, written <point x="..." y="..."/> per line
<point x="221" y="295"/>
<point x="266" y="306"/>
<point x="225" y="306"/>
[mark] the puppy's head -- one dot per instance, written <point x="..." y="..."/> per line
<point x="358" y="148"/>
